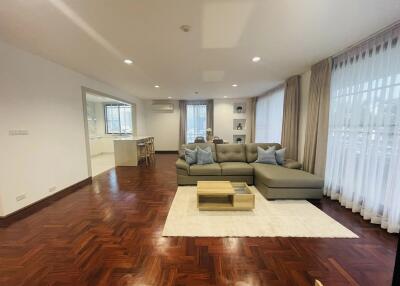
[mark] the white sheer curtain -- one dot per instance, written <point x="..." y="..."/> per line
<point x="196" y="121"/>
<point x="363" y="161"/>
<point x="269" y="116"/>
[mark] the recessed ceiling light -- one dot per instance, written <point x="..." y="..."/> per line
<point x="234" y="85"/>
<point x="128" y="61"/>
<point x="225" y="96"/>
<point x="157" y="86"/>
<point x="169" y="97"/>
<point x="256" y="59"/>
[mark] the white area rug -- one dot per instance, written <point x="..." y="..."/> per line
<point x="295" y="218"/>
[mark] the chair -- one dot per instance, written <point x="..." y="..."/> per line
<point x="150" y="147"/>
<point x="143" y="152"/>
<point x="199" y="139"/>
<point x="218" y="140"/>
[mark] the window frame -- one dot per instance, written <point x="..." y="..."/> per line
<point x="119" y="119"/>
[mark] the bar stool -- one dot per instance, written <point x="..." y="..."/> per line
<point x="143" y="152"/>
<point x="150" y="147"/>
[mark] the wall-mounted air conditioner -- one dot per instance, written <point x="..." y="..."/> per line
<point x="162" y="107"/>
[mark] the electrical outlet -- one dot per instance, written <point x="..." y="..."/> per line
<point x="52" y="189"/>
<point x="20" y="197"/>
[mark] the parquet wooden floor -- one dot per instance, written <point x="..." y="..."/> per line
<point x="110" y="234"/>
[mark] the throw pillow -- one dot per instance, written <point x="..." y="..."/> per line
<point x="266" y="156"/>
<point x="191" y="156"/>
<point x="204" y="156"/>
<point x="280" y="156"/>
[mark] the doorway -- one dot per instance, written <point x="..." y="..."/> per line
<point x="106" y="119"/>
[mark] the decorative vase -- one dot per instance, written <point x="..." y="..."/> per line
<point x="209" y="136"/>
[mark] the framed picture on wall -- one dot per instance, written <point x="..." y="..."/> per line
<point x="239" y="107"/>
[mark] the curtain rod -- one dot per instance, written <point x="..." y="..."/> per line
<point x="391" y="26"/>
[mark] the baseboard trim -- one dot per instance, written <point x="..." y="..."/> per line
<point x="37" y="206"/>
<point x="167" y="152"/>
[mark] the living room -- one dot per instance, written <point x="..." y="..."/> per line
<point x="200" y="142"/>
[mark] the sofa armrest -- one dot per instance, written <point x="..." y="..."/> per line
<point x="182" y="165"/>
<point x="292" y="164"/>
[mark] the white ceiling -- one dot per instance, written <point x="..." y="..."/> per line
<point x="95" y="36"/>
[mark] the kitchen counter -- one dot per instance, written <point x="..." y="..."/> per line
<point x="126" y="151"/>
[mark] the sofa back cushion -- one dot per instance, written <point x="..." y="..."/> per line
<point x="193" y="146"/>
<point x="251" y="150"/>
<point x="231" y="153"/>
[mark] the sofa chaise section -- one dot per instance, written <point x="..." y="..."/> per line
<point x="276" y="182"/>
<point x="283" y="182"/>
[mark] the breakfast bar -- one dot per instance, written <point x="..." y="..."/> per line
<point x="126" y="150"/>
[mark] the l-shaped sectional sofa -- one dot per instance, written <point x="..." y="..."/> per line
<point x="236" y="163"/>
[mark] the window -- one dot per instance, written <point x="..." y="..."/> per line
<point x="196" y="121"/>
<point x="269" y="116"/>
<point x="118" y="118"/>
<point x="363" y="158"/>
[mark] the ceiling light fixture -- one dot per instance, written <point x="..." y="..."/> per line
<point x="157" y="86"/>
<point x="225" y="96"/>
<point x="128" y="61"/>
<point x="234" y="85"/>
<point x="256" y="59"/>
<point x="169" y="97"/>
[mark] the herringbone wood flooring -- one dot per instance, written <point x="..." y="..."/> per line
<point x="110" y="234"/>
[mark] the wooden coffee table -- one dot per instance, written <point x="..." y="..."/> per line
<point x="224" y="196"/>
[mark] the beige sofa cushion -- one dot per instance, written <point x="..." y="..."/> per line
<point x="192" y="146"/>
<point x="279" y="177"/>
<point x="251" y="150"/>
<point x="205" y="170"/>
<point x="231" y="153"/>
<point x="236" y="169"/>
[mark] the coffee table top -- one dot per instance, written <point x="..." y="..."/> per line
<point x="215" y="188"/>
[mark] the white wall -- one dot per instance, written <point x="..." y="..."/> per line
<point x="44" y="98"/>
<point x="164" y="126"/>
<point x="100" y="142"/>
<point x="304" y="87"/>
<point x="224" y="115"/>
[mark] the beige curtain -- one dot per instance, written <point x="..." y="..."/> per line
<point x="182" y="122"/>
<point x="291" y="110"/>
<point x="253" y="120"/>
<point x="317" y="118"/>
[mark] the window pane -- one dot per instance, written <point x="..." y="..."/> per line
<point x="126" y="119"/>
<point x="118" y="119"/>
<point x="196" y="121"/>
<point x="269" y="116"/>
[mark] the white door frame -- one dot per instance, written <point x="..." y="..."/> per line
<point x="86" y="90"/>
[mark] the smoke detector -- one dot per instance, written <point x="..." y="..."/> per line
<point x="185" y="28"/>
